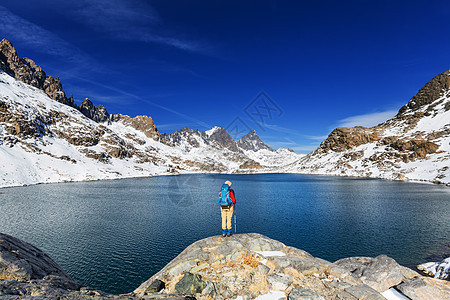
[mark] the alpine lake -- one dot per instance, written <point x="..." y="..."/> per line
<point x="113" y="235"/>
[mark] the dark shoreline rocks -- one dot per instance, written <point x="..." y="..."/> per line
<point x="244" y="266"/>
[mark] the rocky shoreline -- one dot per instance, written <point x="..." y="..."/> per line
<point x="244" y="266"/>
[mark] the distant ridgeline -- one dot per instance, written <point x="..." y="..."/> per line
<point x="46" y="137"/>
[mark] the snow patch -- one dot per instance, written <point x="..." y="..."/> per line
<point x="270" y="253"/>
<point x="393" y="294"/>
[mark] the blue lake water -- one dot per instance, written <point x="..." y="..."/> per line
<point x="113" y="235"/>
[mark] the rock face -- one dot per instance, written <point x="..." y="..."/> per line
<point x="220" y="137"/>
<point x="23" y="262"/>
<point x="26" y="70"/>
<point x="430" y="92"/>
<point x="142" y="123"/>
<point x="98" y="114"/>
<point x="413" y="143"/>
<point x="252" y="142"/>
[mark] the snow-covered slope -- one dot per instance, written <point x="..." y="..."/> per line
<point x="414" y="145"/>
<point x="42" y="140"/>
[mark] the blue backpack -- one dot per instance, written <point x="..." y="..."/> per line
<point x="224" y="195"/>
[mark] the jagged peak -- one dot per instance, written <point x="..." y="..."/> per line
<point x="214" y="130"/>
<point x="430" y="92"/>
<point x="252" y="141"/>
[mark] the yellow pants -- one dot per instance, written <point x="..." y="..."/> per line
<point x="227" y="214"/>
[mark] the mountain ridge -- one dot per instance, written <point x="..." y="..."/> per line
<point x="413" y="145"/>
<point x="45" y="137"/>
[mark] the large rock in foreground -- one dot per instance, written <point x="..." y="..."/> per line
<point x="244" y="266"/>
<point x="28" y="273"/>
<point x="250" y="265"/>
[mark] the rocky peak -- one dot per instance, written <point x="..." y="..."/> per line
<point x="253" y="142"/>
<point x="430" y="92"/>
<point x="141" y="123"/>
<point x="26" y="70"/>
<point x="185" y="135"/>
<point x="220" y="137"/>
<point x="8" y="56"/>
<point x="96" y="113"/>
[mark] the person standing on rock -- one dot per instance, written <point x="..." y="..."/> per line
<point x="226" y="201"/>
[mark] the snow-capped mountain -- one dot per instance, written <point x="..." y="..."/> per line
<point x="413" y="145"/>
<point x="251" y="141"/>
<point x="46" y="137"/>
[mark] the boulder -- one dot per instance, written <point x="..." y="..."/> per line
<point x="425" y="288"/>
<point x="156" y="286"/>
<point x="190" y="284"/>
<point x="23" y="262"/>
<point x="380" y="273"/>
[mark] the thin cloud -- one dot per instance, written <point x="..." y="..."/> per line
<point x="128" y="20"/>
<point x="140" y="99"/>
<point x="367" y="120"/>
<point x="20" y="30"/>
<point x="303" y="148"/>
<point x="316" y="137"/>
<point x="278" y="128"/>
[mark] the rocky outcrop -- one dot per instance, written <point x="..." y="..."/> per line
<point x="430" y="92"/>
<point x="244" y="265"/>
<point x="250" y="265"/>
<point x="26" y="70"/>
<point x="250" y="164"/>
<point x="95" y="113"/>
<point x="28" y="273"/>
<point x="344" y="138"/>
<point x="141" y="123"/>
<point x="252" y="142"/>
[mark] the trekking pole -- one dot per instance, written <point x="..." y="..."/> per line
<point x="235" y="218"/>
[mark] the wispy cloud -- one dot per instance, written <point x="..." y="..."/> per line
<point x="367" y="120"/>
<point x="20" y="30"/>
<point x="128" y="95"/>
<point x="128" y="20"/>
<point x="316" y="137"/>
<point x="280" y="129"/>
<point x="304" y="148"/>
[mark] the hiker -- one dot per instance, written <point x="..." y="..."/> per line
<point x="226" y="201"/>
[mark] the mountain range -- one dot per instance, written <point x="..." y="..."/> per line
<point x="45" y="137"/>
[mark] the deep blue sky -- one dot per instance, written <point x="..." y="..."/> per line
<point x="201" y="63"/>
